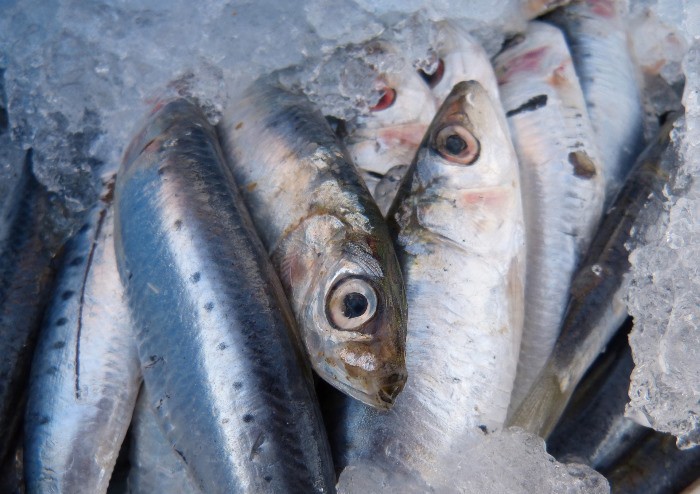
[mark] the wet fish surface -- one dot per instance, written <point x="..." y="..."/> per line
<point x="597" y="36"/>
<point x="85" y="375"/>
<point x="220" y="356"/>
<point x="458" y="228"/>
<point x="561" y="179"/>
<point x="155" y="466"/>
<point x="326" y="238"/>
<point x="28" y="248"/>
<point x="597" y="307"/>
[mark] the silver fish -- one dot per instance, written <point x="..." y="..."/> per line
<point x="218" y="348"/>
<point x="326" y="238"/>
<point x="154" y="464"/>
<point x="562" y="182"/>
<point x="86" y="374"/>
<point x="597" y="37"/>
<point x="459" y="232"/>
<point x="597" y="307"/>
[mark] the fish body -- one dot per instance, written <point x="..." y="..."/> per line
<point x="86" y="373"/>
<point x="326" y="238"/>
<point x="597" y="305"/>
<point x="597" y="36"/>
<point x="27" y="251"/>
<point x="390" y="133"/>
<point x="154" y="464"/>
<point x="562" y="183"/>
<point x="459" y="233"/>
<point x="219" y="352"/>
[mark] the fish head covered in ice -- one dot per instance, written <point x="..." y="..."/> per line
<point x="392" y="130"/>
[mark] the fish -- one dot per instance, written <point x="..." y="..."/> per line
<point x="655" y="466"/>
<point x="594" y="429"/>
<point x="596" y="33"/>
<point x="562" y="182"/>
<point x="388" y="186"/>
<point x="86" y="373"/>
<point x="326" y="238"/>
<point x="220" y="354"/>
<point x="597" y="305"/>
<point x="458" y="228"/>
<point x="155" y="466"/>
<point x="389" y="134"/>
<point x="29" y="250"/>
<point x="460" y="58"/>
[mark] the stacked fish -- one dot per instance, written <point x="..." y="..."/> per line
<point x="447" y="270"/>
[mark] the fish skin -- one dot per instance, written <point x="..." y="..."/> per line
<point x="321" y="229"/>
<point x="382" y="139"/>
<point x="597" y="37"/>
<point x="155" y="466"/>
<point x="562" y="182"/>
<point x="219" y="354"/>
<point x="597" y="307"/>
<point x="388" y="186"/>
<point x="28" y="249"/>
<point x="85" y="373"/>
<point x="460" y="237"/>
<point x="594" y="429"/>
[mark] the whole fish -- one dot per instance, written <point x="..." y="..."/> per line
<point x="655" y="466"/>
<point x="155" y="466"/>
<point x="326" y="238"/>
<point x="594" y="429"/>
<point x="85" y="375"/>
<point x="28" y="246"/>
<point x="597" y="307"/>
<point x="597" y="36"/>
<point x="217" y="343"/>
<point x="460" y="58"/>
<point x="561" y="178"/>
<point x="458" y="228"/>
<point x="390" y="133"/>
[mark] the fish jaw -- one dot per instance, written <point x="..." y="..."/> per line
<point x="367" y="363"/>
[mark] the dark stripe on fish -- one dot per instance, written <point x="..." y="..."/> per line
<point x="532" y="104"/>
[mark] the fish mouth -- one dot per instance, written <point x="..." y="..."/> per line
<point x="383" y="398"/>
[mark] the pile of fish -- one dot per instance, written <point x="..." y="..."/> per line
<point x="282" y="300"/>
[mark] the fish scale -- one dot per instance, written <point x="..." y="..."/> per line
<point x="221" y="360"/>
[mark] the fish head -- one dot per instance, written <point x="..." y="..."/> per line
<point x="467" y="144"/>
<point x="351" y="308"/>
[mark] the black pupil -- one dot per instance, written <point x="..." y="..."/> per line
<point x="455" y="144"/>
<point x="355" y="304"/>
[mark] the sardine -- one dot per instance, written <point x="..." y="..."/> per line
<point x="326" y="238"/>
<point x="217" y="343"/>
<point x="594" y="429"/>
<point x="155" y="466"/>
<point x="597" y="36"/>
<point x="562" y="183"/>
<point x="85" y="375"/>
<point x="27" y="250"/>
<point x="391" y="132"/>
<point x="597" y="307"/>
<point x="459" y="231"/>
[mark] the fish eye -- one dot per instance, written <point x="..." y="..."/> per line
<point x="457" y="145"/>
<point x="434" y="78"/>
<point x="351" y="303"/>
<point x="386" y="100"/>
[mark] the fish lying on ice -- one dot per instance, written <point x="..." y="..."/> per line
<point x="326" y="238"/>
<point x="458" y="228"/>
<point x="561" y="179"/>
<point x="86" y="374"/>
<point x="220" y="356"/>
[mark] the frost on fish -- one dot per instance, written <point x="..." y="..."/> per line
<point x="326" y="238"/>
<point x="507" y="461"/>
<point x="459" y="234"/>
<point x="561" y="179"/>
<point x="663" y="296"/>
<point x="86" y="373"/>
<point x="596" y="31"/>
